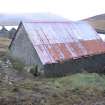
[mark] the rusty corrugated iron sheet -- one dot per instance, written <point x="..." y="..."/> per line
<point x="60" y="41"/>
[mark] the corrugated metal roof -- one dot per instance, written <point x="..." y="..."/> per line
<point x="60" y="41"/>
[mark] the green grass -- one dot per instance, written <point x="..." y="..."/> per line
<point x="81" y="80"/>
<point x="87" y="84"/>
<point x="66" y="90"/>
<point x="73" y="82"/>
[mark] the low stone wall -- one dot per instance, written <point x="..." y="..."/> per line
<point x="95" y="63"/>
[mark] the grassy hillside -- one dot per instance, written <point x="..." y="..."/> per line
<point x="98" y="22"/>
<point x="14" y="19"/>
<point x="18" y="87"/>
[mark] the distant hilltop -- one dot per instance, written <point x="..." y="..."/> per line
<point x="98" y="22"/>
<point x="7" y="33"/>
<point x="14" y="19"/>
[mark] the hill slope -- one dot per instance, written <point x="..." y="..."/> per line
<point x="18" y="87"/>
<point x="98" y="22"/>
<point x="14" y="19"/>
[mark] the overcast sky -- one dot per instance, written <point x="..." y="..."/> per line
<point x="72" y="9"/>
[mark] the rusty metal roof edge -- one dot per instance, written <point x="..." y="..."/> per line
<point x="75" y="58"/>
